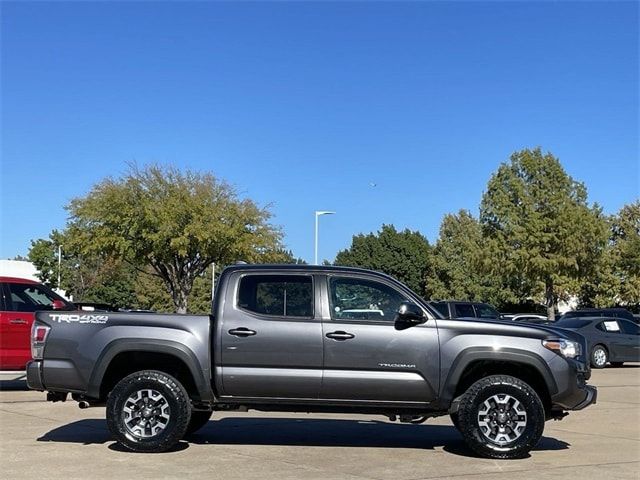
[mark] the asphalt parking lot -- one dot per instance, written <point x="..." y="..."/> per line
<point x="46" y="440"/>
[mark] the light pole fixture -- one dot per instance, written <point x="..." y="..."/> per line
<point x="318" y="213"/>
<point x="59" y="265"/>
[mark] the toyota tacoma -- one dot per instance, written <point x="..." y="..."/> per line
<point x="311" y="339"/>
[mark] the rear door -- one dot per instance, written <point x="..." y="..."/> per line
<point x="271" y="336"/>
<point x="615" y="339"/>
<point x="368" y="355"/>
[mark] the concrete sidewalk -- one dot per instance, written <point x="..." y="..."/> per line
<point x="46" y="440"/>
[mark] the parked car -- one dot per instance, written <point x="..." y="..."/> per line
<point x="528" y="318"/>
<point x="614" y="340"/>
<point x="314" y="339"/>
<point x="600" y="312"/>
<point x="19" y="299"/>
<point x="464" y="310"/>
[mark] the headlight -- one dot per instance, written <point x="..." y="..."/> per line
<point x="566" y="348"/>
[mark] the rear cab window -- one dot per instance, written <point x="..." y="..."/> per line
<point x="277" y="295"/>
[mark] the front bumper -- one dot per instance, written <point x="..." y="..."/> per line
<point x="589" y="399"/>
<point x="573" y="391"/>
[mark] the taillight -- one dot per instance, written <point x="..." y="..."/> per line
<point x="39" y="333"/>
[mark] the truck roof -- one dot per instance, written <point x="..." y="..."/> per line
<point x="302" y="267"/>
<point x="306" y="268"/>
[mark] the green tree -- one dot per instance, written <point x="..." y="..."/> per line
<point x="625" y="249"/>
<point x="539" y="226"/>
<point x="404" y="255"/>
<point x="173" y="222"/>
<point x="91" y="277"/>
<point x="459" y="263"/>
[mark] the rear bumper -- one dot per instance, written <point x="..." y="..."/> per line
<point x="34" y="375"/>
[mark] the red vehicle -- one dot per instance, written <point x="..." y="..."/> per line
<point x="19" y="299"/>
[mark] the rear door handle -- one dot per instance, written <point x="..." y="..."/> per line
<point x="242" y="332"/>
<point x="17" y="321"/>
<point x="340" y="335"/>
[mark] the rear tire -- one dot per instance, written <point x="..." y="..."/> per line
<point x="599" y="356"/>
<point x="501" y="417"/>
<point x="199" y="418"/>
<point x="148" y="411"/>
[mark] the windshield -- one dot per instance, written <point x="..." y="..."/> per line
<point x="572" y="323"/>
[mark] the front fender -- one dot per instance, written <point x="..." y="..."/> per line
<point x="516" y="356"/>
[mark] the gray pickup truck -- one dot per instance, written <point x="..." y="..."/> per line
<point x="311" y="339"/>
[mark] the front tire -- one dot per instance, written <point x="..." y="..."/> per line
<point x="599" y="357"/>
<point x="501" y="417"/>
<point x="148" y="411"/>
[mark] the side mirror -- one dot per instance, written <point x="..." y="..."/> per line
<point x="410" y="312"/>
<point x="58" y="305"/>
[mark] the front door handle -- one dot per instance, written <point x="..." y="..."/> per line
<point x="242" y="332"/>
<point x="18" y="321"/>
<point x="340" y="335"/>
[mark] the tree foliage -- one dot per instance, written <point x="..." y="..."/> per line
<point x="404" y="255"/>
<point x="615" y="279"/>
<point x="86" y="277"/>
<point x="173" y="222"/>
<point x="539" y="226"/>
<point x="459" y="263"/>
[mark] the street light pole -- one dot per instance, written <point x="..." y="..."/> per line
<point x="318" y="213"/>
<point x="59" y="264"/>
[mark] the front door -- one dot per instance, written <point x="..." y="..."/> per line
<point x="631" y="332"/>
<point x="20" y="301"/>
<point x="271" y="337"/>
<point x="368" y="355"/>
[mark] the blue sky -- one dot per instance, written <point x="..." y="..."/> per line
<point x="304" y="105"/>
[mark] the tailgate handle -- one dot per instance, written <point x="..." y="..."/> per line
<point x="340" y="335"/>
<point x="18" y="321"/>
<point x="242" y="332"/>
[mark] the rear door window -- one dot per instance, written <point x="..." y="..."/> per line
<point x="610" y="326"/>
<point x="464" y="310"/>
<point x="277" y="295"/>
